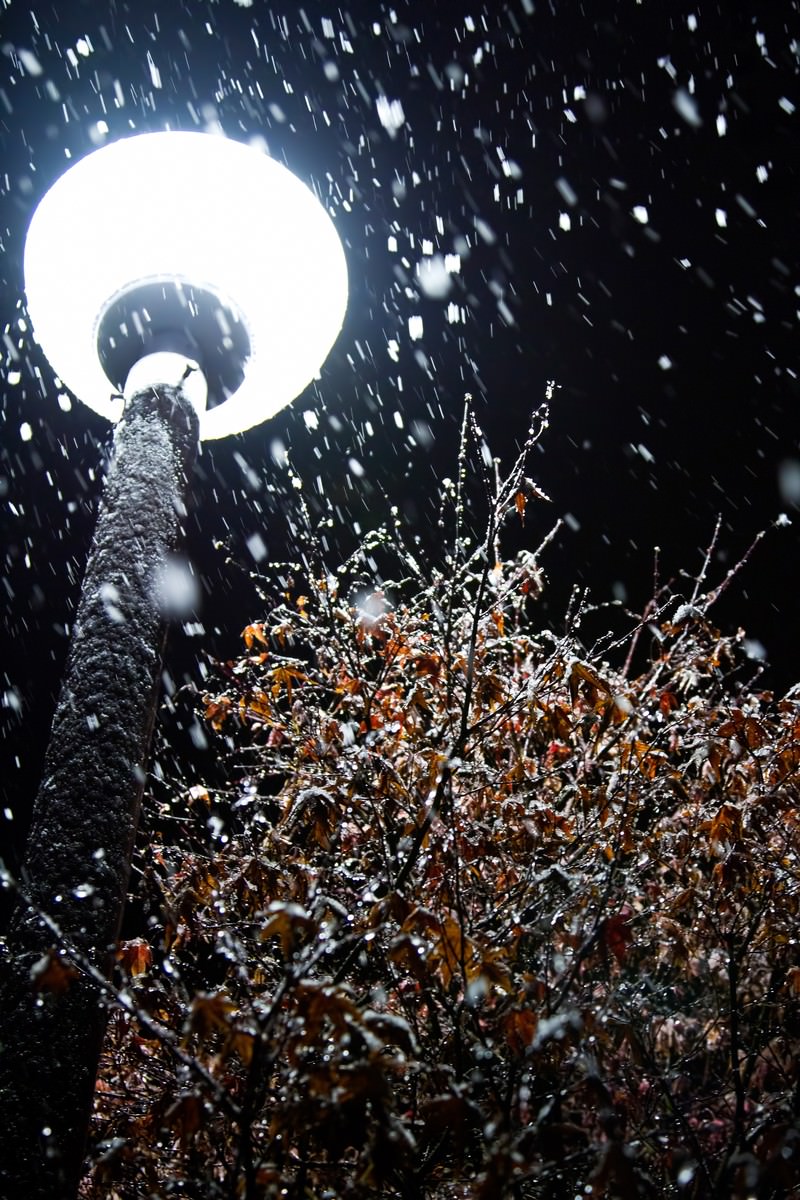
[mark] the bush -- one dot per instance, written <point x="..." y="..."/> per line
<point x="482" y="913"/>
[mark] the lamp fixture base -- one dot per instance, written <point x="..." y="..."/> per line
<point x="168" y="367"/>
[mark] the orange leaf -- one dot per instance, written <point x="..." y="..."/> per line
<point x="256" y="706"/>
<point x="135" y="956"/>
<point x="254" y="633"/>
<point x="198" y="794"/>
<point x="407" y="954"/>
<point x="581" y="673"/>
<point x="285" y="675"/>
<point x="185" y="1116"/>
<point x="209" y="1012"/>
<point x="520" y="1029"/>
<point x="640" y="754"/>
<point x="727" y="824"/>
<point x="754" y="733"/>
<point x="52" y="973"/>
<point x="217" y="710"/>
<point x="452" y="950"/>
<point x="617" y="935"/>
<point x="427" y="664"/>
<point x="289" y="922"/>
<point x="242" y="1043"/>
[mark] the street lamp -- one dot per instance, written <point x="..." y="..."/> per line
<point x="186" y="287"/>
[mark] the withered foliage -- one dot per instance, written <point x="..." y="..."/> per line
<point x="492" y="913"/>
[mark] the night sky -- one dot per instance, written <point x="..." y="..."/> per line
<point x="619" y="182"/>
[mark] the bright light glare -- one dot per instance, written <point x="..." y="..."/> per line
<point x="204" y="210"/>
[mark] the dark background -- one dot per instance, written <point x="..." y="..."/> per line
<point x="673" y="342"/>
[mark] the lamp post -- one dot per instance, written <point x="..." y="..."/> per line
<point x="186" y="287"/>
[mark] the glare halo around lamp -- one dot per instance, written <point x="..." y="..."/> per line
<point x="171" y="268"/>
<point x="187" y="221"/>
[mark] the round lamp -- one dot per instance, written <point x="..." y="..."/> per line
<point x="188" y="244"/>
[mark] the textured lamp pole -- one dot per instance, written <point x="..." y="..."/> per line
<point x="228" y="279"/>
<point x="79" y="848"/>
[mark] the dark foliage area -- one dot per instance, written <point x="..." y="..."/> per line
<point x="483" y="910"/>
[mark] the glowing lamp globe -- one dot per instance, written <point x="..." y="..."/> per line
<point x="187" y="244"/>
